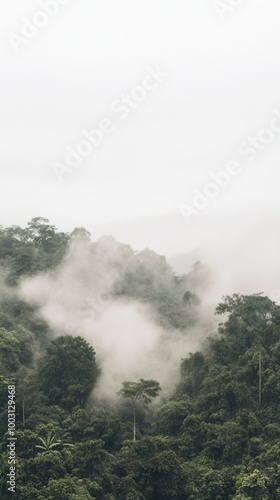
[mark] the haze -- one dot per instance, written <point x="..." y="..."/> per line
<point x="222" y="86"/>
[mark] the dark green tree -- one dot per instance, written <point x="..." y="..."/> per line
<point x="68" y="371"/>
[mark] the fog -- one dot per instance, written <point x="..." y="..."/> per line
<point x="219" y="95"/>
<point x="76" y="299"/>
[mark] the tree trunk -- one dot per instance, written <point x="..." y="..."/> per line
<point x="260" y="379"/>
<point x="134" y="425"/>
<point x="23" y="413"/>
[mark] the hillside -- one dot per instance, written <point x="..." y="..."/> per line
<point x="214" y="435"/>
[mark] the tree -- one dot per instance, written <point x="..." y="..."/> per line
<point x="253" y="484"/>
<point x="65" y="489"/>
<point x="39" y="470"/>
<point x="48" y="443"/>
<point x="9" y="352"/>
<point x="81" y="234"/>
<point x="90" y="459"/>
<point x="152" y="468"/>
<point x="253" y="322"/>
<point x="193" y="371"/>
<point x="68" y="371"/>
<point x="144" y="391"/>
<point x="172" y="415"/>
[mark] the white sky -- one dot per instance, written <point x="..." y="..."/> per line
<point x="223" y="84"/>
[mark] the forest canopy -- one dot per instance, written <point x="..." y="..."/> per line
<point x="216" y="436"/>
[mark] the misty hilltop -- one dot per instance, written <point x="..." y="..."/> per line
<point x="99" y="271"/>
<point x="129" y="305"/>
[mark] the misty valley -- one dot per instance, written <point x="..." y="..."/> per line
<point x="120" y="379"/>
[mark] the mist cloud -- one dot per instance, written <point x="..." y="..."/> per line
<point x="76" y="298"/>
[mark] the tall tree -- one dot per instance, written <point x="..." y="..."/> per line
<point x="68" y="371"/>
<point x="144" y="391"/>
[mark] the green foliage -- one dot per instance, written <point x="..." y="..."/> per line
<point x="144" y="391"/>
<point x="68" y="488"/>
<point x="68" y="371"/>
<point x="217" y="437"/>
<point x="95" y="423"/>
<point x="172" y="415"/>
<point x="26" y="444"/>
<point x="48" y="443"/>
<point x="154" y="468"/>
<point x="90" y="459"/>
<point x="147" y="277"/>
<point x="39" y="470"/>
<point x="252" y="485"/>
<point x="193" y="371"/>
<point x="10" y="351"/>
<point x="27" y="251"/>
